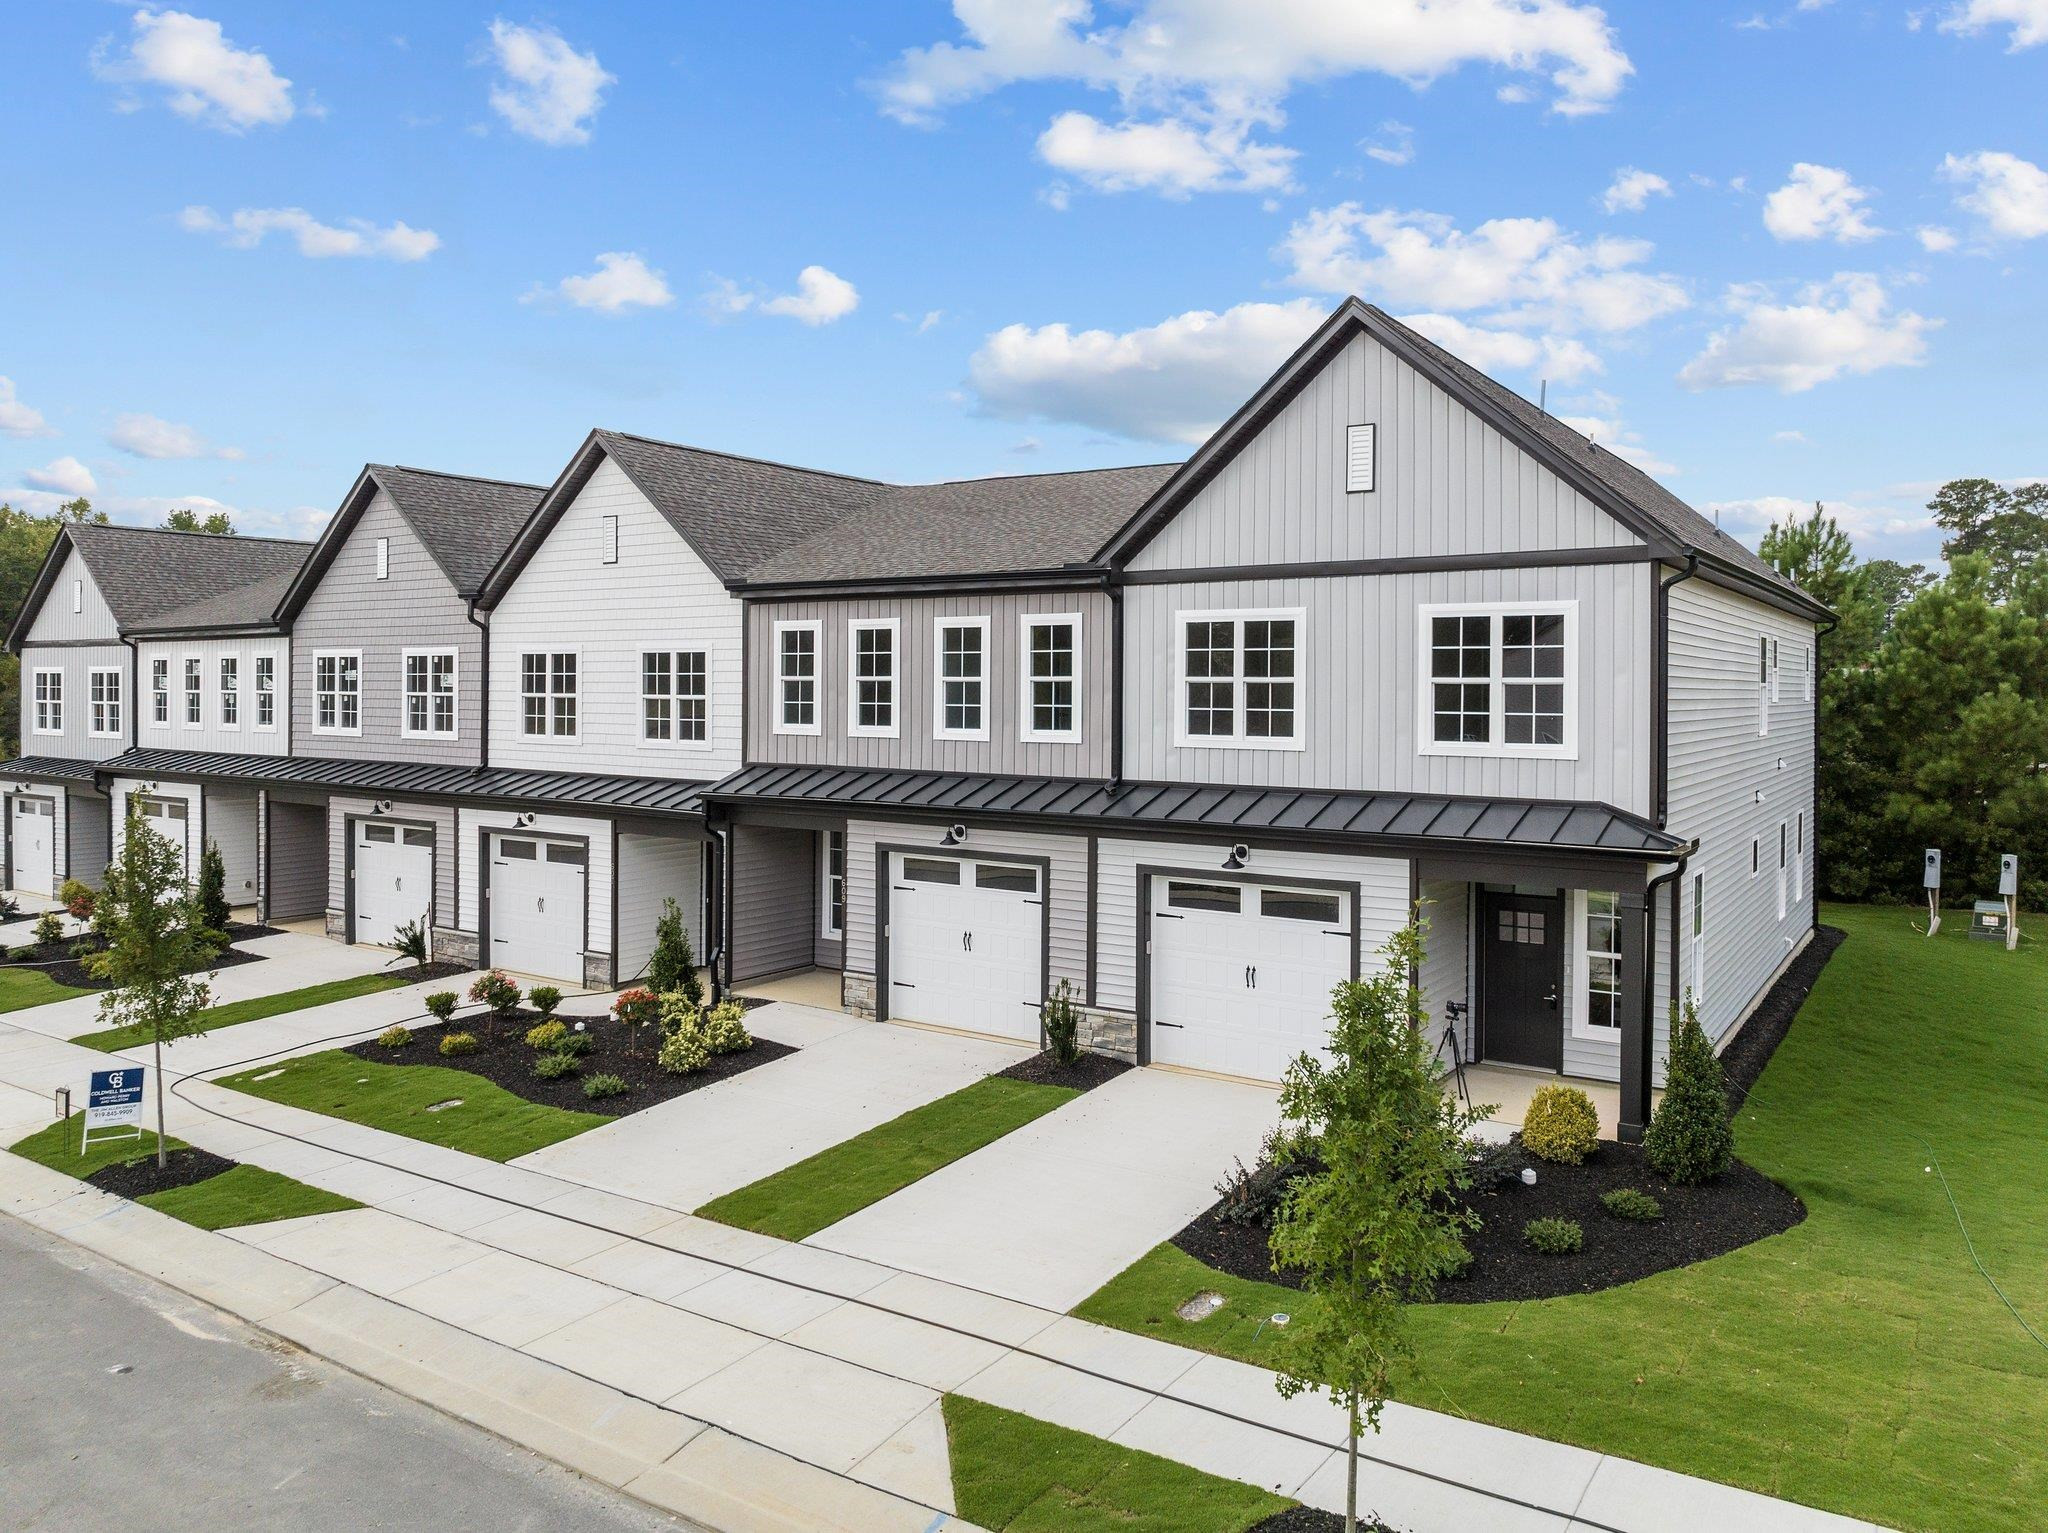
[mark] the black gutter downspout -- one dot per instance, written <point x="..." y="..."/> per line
<point x="1644" y="1060"/>
<point x="483" y="727"/>
<point x="1115" y="587"/>
<point x="1660" y="672"/>
<point x="714" y="903"/>
<point x="132" y="699"/>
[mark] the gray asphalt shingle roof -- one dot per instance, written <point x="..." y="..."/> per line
<point x="466" y="523"/>
<point x="148" y="576"/>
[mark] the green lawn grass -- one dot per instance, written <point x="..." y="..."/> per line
<point x="239" y="1195"/>
<point x="802" y="1199"/>
<point x="1857" y="1362"/>
<point x="21" y="988"/>
<point x="491" y="1122"/>
<point x="1016" y="1472"/>
<point x="250" y="1010"/>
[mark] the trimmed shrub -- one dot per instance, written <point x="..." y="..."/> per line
<point x="1061" y="1019"/>
<point x="548" y="1034"/>
<point x="459" y="1043"/>
<point x="576" y="1045"/>
<point x="673" y="966"/>
<point x="545" y="999"/>
<point x="83" y="946"/>
<point x="213" y="890"/>
<point x="724" y="1028"/>
<point x="78" y="897"/>
<point x="1553" y="1237"/>
<point x="1633" y="1204"/>
<point x="683" y="1052"/>
<point x="598" y="1086"/>
<point x="440" y="1005"/>
<point x="1494" y="1165"/>
<point x="680" y="1014"/>
<point x="49" y="929"/>
<point x="397" y="1036"/>
<point x="1690" y="1139"/>
<point x="1561" y="1125"/>
<point x="552" y="1067"/>
<point x="495" y="989"/>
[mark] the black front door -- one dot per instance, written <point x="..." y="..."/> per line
<point x="1521" y="954"/>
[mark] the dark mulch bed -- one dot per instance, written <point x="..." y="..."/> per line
<point x="1084" y="1074"/>
<point x="507" y="1061"/>
<point x="1311" y="1519"/>
<point x="140" y="1177"/>
<point x="1744" y="1059"/>
<point x="55" y="958"/>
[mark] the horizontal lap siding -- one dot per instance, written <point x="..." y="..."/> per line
<point x="175" y="734"/>
<point x="298" y="859"/>
<point x="231" y="826"/>
<point x="1447" y="483"/>
<point x="915" y="747"/>
<point x="774" y="899"/>
<point x="1446" y="956"/>
<point x="1383" y="899"/>
<point x="75" y="741"/>
<point x="449" y="857"/>
<point x="1361" y="669"/>
<point x="86" y="834"/>
<point x="653" y="869"/>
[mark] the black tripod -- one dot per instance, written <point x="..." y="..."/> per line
<point x="1454" y="1012"/>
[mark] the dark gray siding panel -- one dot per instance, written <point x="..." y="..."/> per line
<point x="88" y="836"/>
<point x="774" y="910"/>
<point x="298" y="860"/>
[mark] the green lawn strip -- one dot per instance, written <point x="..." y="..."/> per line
<point x="802" y="1199"/>
<point x="245" y="1195"/>
<point x="55" y="1145"/>
<point x="23" y="987"/>
<point x="1013" y="1472"/>
<point x="490" y="1122"/>
<point x="256" y="1007"/>
<point x="1857" y="1362"/>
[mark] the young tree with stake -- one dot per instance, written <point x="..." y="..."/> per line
<point x="1380" y="1222"/>
<point x="156" y="941"/>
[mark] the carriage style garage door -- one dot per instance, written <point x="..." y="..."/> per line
<point x="1242" y="973"/>
<point x="537" y="892"/>
<point x="394" y="879"/>
<point x="966" y="943"/>
<point x="35" y="845"/>
<point x="169" y="818"/>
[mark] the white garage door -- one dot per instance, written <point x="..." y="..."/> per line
<point x="394" y="879"/>
<point x="537" y="895"/>
<point x="966" y="944"/>
<point x="1242" y="973"/>
<point x="169" y="818"/>
<point x="35" y="845"/>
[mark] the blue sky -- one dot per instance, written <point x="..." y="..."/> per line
<point x="255" y="246"/>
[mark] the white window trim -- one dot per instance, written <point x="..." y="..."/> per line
<point x="1425" y="711"/>
<point x="1072" y="622"/>
<point x="1238" y="740"/>
<point x="854" y="628"/>
<point x="220" y="665"/>
<point x="825" y="927"/>
<point x="313" y="715"/>
<point x="679" y="647"/>
<point x="1799" y="858"/>
<point x="1582" y="977"/>
<point x="153" y="721"/>
<point x="1784" y="867"/>
<point x="256" y="692"/>
<point x="1698" y="990"/>
<point x="185" y="693"/>
<point x="940" y="627"/>
<point x="1756" y="856"/>
<point x="1766" y="686"/>
<point x="519" y="682"/>
<point x="405" y="729"/>
<point x="816" y="629"/>
<point x="118" y="707"/>
<point x="36" y="702"/>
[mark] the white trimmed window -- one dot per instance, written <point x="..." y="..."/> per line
<point x="230" y="692"/>
<point x="1052" y="679"/>
<point x="49" y="689"/>
<point x="1699" y="939"/>
<point x="796" y="678"/>
<point x="675" y="696"/>
<point x="195" y="692"/>
<point x="1799" y="858"/>
<point x="547" y="694"/>
<point x="160" y="691"/>
<point x="266" y="692"/>
<point x="1764" y="687"/>
<point x="103" y="693"/>
<point x="1599" y="1013"/>
<point x="1240" y="679"/>
<point x="338" y="693"/>
<point x="960" y="679"/>
<point x="871" y="677"/>
<point x="832" y="884"/>
<point x="1784" y="861"/>
<point x="1806" y="672"/>
<point x="1498" y="680"/>
<point x="430" y="694"/>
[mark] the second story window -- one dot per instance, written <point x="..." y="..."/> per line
<point x="960" y="679"/>
<point x="338" y="693"/>
<point x="160" y="691"/>
<point x="430" y="694"/>
<point x="266" y="692"/>
<point x="195" y="683"/>
<point x="796" y="678"/>
<point x="547" y="695"/>
<point x="675" y="696"/>
<point x="230" y="692"/>
<point x="1052" y="663"/>
<point x="871" y="680"/>
<point x="1497" y="681"/>
<point x="1240" y="679"/>
<point x="49" y="702"/>
<point x="104" y="696"/>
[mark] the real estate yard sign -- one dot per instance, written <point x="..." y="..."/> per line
<point x="113" y="1098"/>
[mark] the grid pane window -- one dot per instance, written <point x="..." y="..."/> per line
<point x="430" y="694"/>
<point x="106" y="702"/>
<point x="1532" y="663"/>
<point x="835" y="882"/>
<point x="50" y="702"/>
<point x="1052" y="678"/>
<point x="337" y="692"/>
<point x="1460" y="669"/>
<point x="674" y="697"/>
<point x="874" y="678"/>
<point x="266" y="692"/>
<point x="194" y="681"/>
<point x="230" y="692"/>
<point x="796" y="660"/>
<point x="1603" y="960"/>
<point x="1269" y="678"/>
<point x="962" y="664"/>
<point x="1499" y="680"/>
<point x="160" y="691"/>
<point x="547" y="694"/>
<point x="1211" y="678"/>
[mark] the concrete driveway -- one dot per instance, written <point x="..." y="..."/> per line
<point x="1050" y="1213"/>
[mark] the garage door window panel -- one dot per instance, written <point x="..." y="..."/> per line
<point x="1007" y="876"/>
<point x="1293" y="905"/>
<point x="931" y="870"/>
<point x="1223" y="897"/>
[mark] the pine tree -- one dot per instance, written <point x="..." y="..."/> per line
<point x="1690" y="1138"/>
<point x="673" y="968"/>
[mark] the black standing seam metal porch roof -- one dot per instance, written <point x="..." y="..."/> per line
<point x="48" y="769"/>
<point x="1415" y="819"/>
<point x="662" y="796"/>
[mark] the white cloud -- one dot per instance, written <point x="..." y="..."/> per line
<point x="2010" y="194"/>
<point x="65" y="476"/>
<point x="1396" y="144"/>
<point x="1935" y="239"/>
<point x="548" y="91"/>
<point x="1843" y="325"/>
<point x="207" y="78"/>
<point x="1172" y="158"/>
<point x="821" y="297"/>
<point x="247" y="228"/>
<point x="1522" y="271"/>
<point x="1632" y="189"/>
<point x="151" y="436"/>
<point x="1819" y="202"/>
<point x="150" y="510"/>
<point x="2028" y="20"/>
<point x="1494" y="351"/>
<point x="1618" y="439"/>
<point x="1756" y="514"/>
<point x="1169" y="382"/>
<point x="919" y="322"/>
<point x="623" y="280"/>
<point x="18" y="419"/>
<point x="1790" y="438"/>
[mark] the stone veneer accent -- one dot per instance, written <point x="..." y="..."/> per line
<point x="857" y="994"/>
<point x="597" y="971"/>
<point x="337" y="925"/>
<point x="453" y="946"/>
